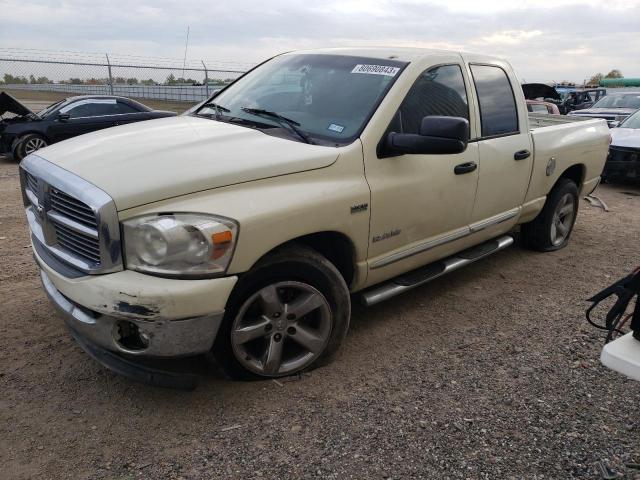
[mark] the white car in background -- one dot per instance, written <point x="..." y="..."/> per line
<point x="623" y="160"/>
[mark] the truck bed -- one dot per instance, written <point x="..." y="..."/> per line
<point x="558" y="141"/>
<point x="539" y="120"/>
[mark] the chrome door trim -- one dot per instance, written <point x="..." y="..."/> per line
<point x="447" y="238"/>
<point x="495" y="220"/>
<point x="421" y="247"/>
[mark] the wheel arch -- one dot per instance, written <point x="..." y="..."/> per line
<point x="335" y="246"/>
<point x="20" y="135"/>
<point x="575" y="173"/>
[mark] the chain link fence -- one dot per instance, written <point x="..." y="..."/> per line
<point x="127" y="75"/>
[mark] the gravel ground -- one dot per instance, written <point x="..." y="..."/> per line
<point x="491" y="372"/>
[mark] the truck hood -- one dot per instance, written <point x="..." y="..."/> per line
<point x="539" y="90"/>
<point x="625" y="137"/>
<point x="8" y="104"/>
<point x="157" y="159"/>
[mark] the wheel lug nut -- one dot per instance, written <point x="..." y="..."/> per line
<point x="291" y="316"/>
<point x="277" y="337"/>
<point x="291" y="330"/>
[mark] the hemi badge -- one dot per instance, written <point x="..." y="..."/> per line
<point x="359" y="208"/>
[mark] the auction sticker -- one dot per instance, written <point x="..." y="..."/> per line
<point x="376" y="70"/>
<point x="334" y="127"/>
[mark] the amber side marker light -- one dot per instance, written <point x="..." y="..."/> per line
<point x="221" y="242"/>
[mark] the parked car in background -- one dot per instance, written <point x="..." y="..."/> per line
<point x="243" y="229"/>
<point x="538" y="106"/>
<point x="24" y="131"/>
<point x="581" y="99"/>
<point x="567" y="99"/>
<point x="624" y="152"/>
<point x="614" y="108"/>
<point x="541" y="92"/>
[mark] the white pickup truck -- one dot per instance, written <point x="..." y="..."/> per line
<point x="244" y="228"/>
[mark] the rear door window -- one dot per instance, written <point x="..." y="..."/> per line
<point x="498" y="112"/>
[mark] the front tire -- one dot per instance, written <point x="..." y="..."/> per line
<point x="288" y="314"/>
<point x="28" y="144"/>
<point x="552" y="228"/>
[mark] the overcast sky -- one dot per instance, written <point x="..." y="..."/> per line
<point x="546" y="40"/>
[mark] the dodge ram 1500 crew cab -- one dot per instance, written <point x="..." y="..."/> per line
<point x="244" y="228"/>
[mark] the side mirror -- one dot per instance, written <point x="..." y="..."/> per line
<point x="438" y="136"/>
<point x="63" y="117"/>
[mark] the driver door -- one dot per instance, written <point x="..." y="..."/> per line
<point x="421" y="204"/>
<point x="84" y="116"/>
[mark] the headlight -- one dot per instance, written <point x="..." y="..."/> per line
<point x="179" y="244"/>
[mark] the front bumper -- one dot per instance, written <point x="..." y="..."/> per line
<point x="174" y="318"/>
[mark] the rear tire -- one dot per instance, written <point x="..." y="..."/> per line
<point x="552" y="228"/>
<point x="288" y="314"/>
<point x="28" y="144"/>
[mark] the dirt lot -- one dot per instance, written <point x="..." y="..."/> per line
<point x="491" y="372"/>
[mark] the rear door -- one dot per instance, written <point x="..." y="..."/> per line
<point x="504" y="145"/>
<point x="124" y="113"/>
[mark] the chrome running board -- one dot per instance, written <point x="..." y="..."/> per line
<point x="434" y="270"/>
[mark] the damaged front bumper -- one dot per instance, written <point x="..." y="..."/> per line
<point x="136" y="336"/>
<point x="138" y="315"/>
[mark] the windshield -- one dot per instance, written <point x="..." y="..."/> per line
<point x="329" y="98"/>
<point x="627" y="100"/>
<point x="633" y="121"/>
<point x="46" y="111"/>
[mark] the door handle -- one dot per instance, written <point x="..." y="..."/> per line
<point x="521" y="155"/>
<point x="465" y="168"/>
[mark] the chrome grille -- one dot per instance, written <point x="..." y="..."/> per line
<point x="73" y="219"/>
<point x="78" y="243"/>
<point x="32" y="186"/>
<point x="72" y="208"/>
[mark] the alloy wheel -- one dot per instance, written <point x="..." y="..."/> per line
<point x="563" y="219"/>
<point x="281" y="329"/>
<point x="34" y="144"/>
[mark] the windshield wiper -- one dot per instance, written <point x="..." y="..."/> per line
<point x="292" y="124"/>
<point x="217" y="108"/>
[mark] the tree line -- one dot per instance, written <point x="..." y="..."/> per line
<point x="9" y="79"/>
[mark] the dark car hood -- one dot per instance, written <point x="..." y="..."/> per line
<point x="539" y="90"/>
<point x="8" y="104"/>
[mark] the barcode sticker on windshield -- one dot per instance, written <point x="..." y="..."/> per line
<point x="376" y="70"/>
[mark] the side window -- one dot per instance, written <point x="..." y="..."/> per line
<point x="537" y="108"/>
<point x="437" y="91"/>
<point x="498" y="112"/>
<point x="122" y="108"/>
<point x="96" y="107"/>
<point x="78" y="109"/>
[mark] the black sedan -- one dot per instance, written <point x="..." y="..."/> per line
<point x="24" y="131"/>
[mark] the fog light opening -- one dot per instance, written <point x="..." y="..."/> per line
<point x="129" y="337"/>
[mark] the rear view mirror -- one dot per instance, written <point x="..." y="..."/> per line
<point x="63" y="117"/>
<point x="438" y="135"/>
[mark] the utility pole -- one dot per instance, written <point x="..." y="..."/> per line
<point x="186" y="45"/>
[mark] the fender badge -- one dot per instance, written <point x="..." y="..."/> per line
<point x="359" y="208"/>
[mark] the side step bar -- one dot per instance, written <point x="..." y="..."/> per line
<point x="434" y="270"/>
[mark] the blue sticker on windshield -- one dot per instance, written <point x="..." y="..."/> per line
<point x="334" y="127"/>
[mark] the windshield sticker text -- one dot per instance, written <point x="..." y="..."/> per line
<point x="376" y="70"/>
<point x="335" y="128"/>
